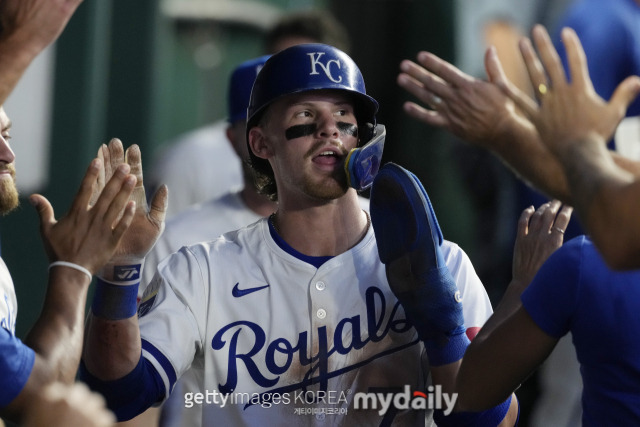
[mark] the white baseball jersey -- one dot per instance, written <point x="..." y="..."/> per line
<point x="199" y="223"/>
<point x="287" y="343"/>
<point x="8" y="300"/>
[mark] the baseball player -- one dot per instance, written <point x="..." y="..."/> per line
<point x="77" y="246"/>
<point x="290" y="320"/>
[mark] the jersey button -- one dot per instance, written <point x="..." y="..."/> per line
<point x="320" y="416"/>
<point x="320" y="286"/>
<point x="321" y="313"/>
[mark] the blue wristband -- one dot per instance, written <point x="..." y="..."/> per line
<point x="115" y="302"/>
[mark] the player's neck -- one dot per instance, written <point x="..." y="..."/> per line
<point x="326" y="230"/>
<point x="258" y="203"/>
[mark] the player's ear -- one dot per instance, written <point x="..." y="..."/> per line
<point x="259" y="143"/>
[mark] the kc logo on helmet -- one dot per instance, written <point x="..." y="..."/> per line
<point x="326" y="67"/>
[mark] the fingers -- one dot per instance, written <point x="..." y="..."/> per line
<point x="424" y="85"/>
<point x="577" y="60"/>
<point x="87" y="186"/>
<point x="544" y="216"/>
<point x="624" y="95"/>
<point x="536" y="71"/>
<point x="563" y="218"/>
<point x="45" y="210"/>
<point x="549" y="56"/>
<point x="117" y="194"/>
<point x="442" y="69"/>
<point x="101" y="155"/>
<point x="430" y="117"/>
<point x="523" y="221"/>
<point x="116" y="156"/>
<point x="552" y="217"/>
<point x="124" y="222"/>
<point x="496" y="75"/>
<point x="159" y="204"/>
<point x="133" y="158"/>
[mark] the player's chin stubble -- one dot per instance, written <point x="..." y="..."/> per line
<point x="8" y="194"/>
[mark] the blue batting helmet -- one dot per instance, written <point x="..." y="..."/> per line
<point x="308" y="67"/>
<point x="240" y="86"/>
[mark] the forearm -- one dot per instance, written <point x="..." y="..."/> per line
<point x="606" y="198"/>
<point x="524" y="153"/>
<point x="15" y="57"/>
<point x="57" y="334"/>
<point x="112" y="347"/>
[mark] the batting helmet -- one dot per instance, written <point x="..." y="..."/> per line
<point x="308" y="67"/>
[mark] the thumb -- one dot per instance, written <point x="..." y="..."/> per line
<point x="159" y="203"/>
<point x="625" y="94"/>
<point x="44" y="208"/>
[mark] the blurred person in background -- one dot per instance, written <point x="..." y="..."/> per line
<point x="201" y="164"/>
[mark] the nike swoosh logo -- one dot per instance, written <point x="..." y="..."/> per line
<point x="237" y="292"/>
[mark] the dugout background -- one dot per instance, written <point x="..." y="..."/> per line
<point x="126" y="69"/>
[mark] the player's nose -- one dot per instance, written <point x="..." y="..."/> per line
<point x="6" y="153"/>
<point x="327" y="125"/>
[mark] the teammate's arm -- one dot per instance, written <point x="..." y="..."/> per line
<point x="113" y="348"/>
<point x="511" y="345"/>
<point x="574" y="123"/>
<point x="480" y="113"/>
<point x="77" y="245"/>
<point x="26" y="28"/>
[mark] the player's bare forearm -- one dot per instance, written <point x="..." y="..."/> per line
<point x="26" y="28"/>
<point x="606" y="200"/>
<point x="57" y="334"/>
<point x="14" y="64"/>
<point x="112" y="348"/>
<point x="523" y="152"/>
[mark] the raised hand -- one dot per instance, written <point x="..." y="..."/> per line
<point x="540" y="233"/>
<point x="26" y="28"/>
<point x="148" y="222"/>
<point x="567" y="111"/>
<point x="474" y="110"/>
<point x="89" y="235"/>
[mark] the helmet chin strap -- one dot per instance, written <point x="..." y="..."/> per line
<point x="362" y="163"/>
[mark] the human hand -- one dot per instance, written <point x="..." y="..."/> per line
<point x="567" y="112"/>
<point x="88" y="236"/>
<point x="476" y="111"/>
<point x="148" y="223"/>
<point x="34" y="24"/>
<point x="73" y="405"/>
<point x="540" y="233"/>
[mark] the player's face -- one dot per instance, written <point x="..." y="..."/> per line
<point x="310" y="135"/>
<point x="8" y="191"/>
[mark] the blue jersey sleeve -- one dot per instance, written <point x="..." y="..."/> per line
<point x="16" y="364"/>
<point x="552" y="296"/>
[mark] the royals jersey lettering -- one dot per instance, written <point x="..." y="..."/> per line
<point x="284" y="342"/>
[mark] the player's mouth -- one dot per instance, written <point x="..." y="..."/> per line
<point x="331" y="156"/>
